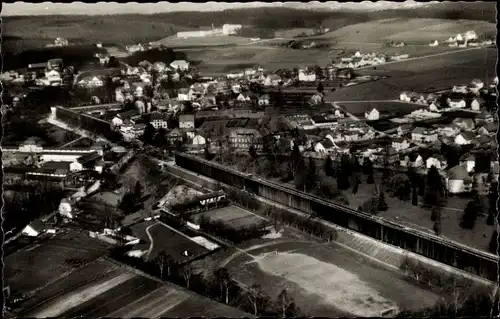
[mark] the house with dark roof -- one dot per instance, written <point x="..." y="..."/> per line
<point x="458" y="180"/>
<point x="465" y="138"/>
<point x="420" y="134"/>
<point x="34" y="229"/>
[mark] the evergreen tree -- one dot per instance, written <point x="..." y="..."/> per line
<point x="470" y="215"/>
<point x="493" y="246"/>
<point x="329" y="167"/>
<point x="320" y="88"/>
<point x="434" y="188"/>
<point x="375" y="200"/>
<point x="252" y="151"/>
<point x="437" y="227"/>
<point x="435" y="213"/>
<point x="300" y="176"/>
<point x="311" y="174"/>
<point x="355" y="187"/>
<point x="208" y="155"/>
<point x="382" y="204"/>
<point x="137" y="190"/>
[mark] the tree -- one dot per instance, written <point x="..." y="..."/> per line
<point x="187" y="273"/>
<point x="492" y="199"/>
<point x="148" y="134"/>
<point x="435" y="213"/>
<point x="374" y="202"/>
<point x="320" y="88"/>
<point x="414" y="197"/>
<point x="224" y="280"/>
<point x="300" y="176"/>
<point x="163" y="260"/>
<point x="328" y="167"/>
<point x="285" y="302"/>
<point x="369" y="171"/>
<point x="434" y="191"/>
<point x="252" y="151"/>
<point x="137" y="190"/>
<point x="207" y="154"/>
<point x="113" y="62"/>
<point x="312" y="175"/>
<point x="469" y="217"/>
<point x="493" y="246"/>
<point x="255" y="296"/>
<point x="382" y="204"/>
<point x="400" y="186"/>
<point x="437" y="227"/>
<point x="355" y="187"/>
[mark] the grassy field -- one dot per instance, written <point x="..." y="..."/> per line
<point x="34" y="267"/>
<point x="175" y="42"/>
<point x="115" y="291"/>
<point x="385" y="108"/>
<point x="327" y="280"/>
<point x="233" y="216"/>
<point x="438" y="72"/>
<point x="411" y="31"/>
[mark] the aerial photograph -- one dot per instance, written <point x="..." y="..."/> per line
<point x="241" y="160"/>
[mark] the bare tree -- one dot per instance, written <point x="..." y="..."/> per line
<point x="187" y="272"/>
<point x="459" y="290"/>
<point x="255" y="296"/>
<point x="163" y="260"/>
<point x="224" y="280"/>
<point x="284" y="302"/>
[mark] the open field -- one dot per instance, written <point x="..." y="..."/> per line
<point x="405" y="213"/>
<point x="411" y="31"/>
<point x="35" y="266"/>
<point x="233" y="216"/>
<point x="438" y="72"/>
<point x="159" y="237"/>
<point x="385" y="108"/>
<point x="118" y="292"/>
<point x="327" y="280"/>
<point x="175" y="42"/>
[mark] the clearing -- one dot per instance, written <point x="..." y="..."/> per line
<point x="175" y="42"/>
<point x="233" y="216"/>
<point x="385" y="108"/>
<point x="326" y="279"/>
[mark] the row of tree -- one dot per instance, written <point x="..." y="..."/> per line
<point x="218" y="285"/>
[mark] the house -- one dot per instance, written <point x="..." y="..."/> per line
<point x="34" y="229"/>
<point x="456" y="102"/>
<point x="264" y="100"/>
<point x="55" y="64"/>
<point x="405" y="96"/>
<point x="469" y="161"/>
<point x="175" y="135"/>
<point x="325" y="146"/>
<point x="186" y="121"/>
<point x="400" y="143"/>
<point x="458" y="180"/>
<point x="243" y="138"/>
<point x="345" y="73"/>
<point x="181" y="65"/>
<point x="465" y="138"/>
<point x="464" y="123"/>
<point x="317" y="98"/>
<point x="323" y="121"/>
<point x="243" y="97"/>
<point x="65" y="208"/>
<point x="438" y="161"/>
<point x="403" y="129"/>
<point x="434" y="108"/>
<point x="434" y="44"/>
<point x="184" y="94"/>
<point x="199" y="140"/>
<point x="272" y="80"/>
<point x="305" y="76"/>
<point x="420" y="134"/>
<point x="475" y="105"/>
<point x="416" y="160"/>
<point x="372" y="115"/>
<point x="159" y="120"/>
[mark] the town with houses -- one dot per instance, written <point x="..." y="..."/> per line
<point x="138" y="145"/>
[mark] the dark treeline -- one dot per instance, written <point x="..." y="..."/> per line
<point x="72" y="55"/>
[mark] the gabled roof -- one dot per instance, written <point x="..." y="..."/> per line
<point x="37" y="225"/>
<point x="458" y="172"/>
<point x="468" y="135"/>
<point x="89" y="157"/>
<point x="327" y="143"/>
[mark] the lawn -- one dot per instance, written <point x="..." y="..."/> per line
<point x="33" y="267"/>
<point x="175" y="42"/>
<point x="385" y="108"/>
<point x="327" y="280"/>
<point x="233" y="216"/>
<point x="405" y="213"/>
<point x="438" y="72"/>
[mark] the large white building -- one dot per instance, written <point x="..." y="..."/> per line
<point x="230" y="29"/>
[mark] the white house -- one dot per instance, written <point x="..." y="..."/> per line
<point x="469" y="161"/>
<point x="272" y="80"/>
<point x="305" y="76"/>
<point x="34" y="229"/>
<point x="264" y="100"/>
<point x="400" y="144"/>
<point x="434" y="44"/>
<point x="186" y="121"/>
<point x="184" y="95"/>
<point x="464" y="138"/>
<point x="180" y="65"/>
<point x="436" y="161"/>
<point x="94" y="82"/>
<point x="456" y="102"/>
<point x="75" y="166"/>
<point x="458" y="180"/>
<point x="325" y="146"/>
<point x="475" y="105"/>
<point x="477" y="83"/>
<point x="404" y="96"/>
<point x="420" y="134"/>
<point x="372" y="115"/>
<point x="65" y="208"/>
<point x="199" y="140"/>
